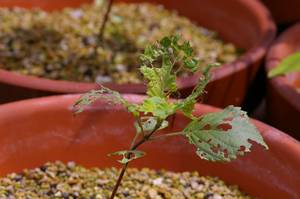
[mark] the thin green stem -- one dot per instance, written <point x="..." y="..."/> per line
<point x="114" y="192"/>
<point x="134" y="139"/>
<point x="134" y="147"/>
<point x="141" y="126"/>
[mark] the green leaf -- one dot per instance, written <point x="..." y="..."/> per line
<point x="128" y="155"/>
<point x="161" y="78"/>
<point x="148" y="124"/>
<point x="154" y="86"/>
<point x="289" y="64"/>
<point x="166" y="42"/>
<point x="224" y="135"/>
<point x="187" y="105"/>
<point x="187" y="49"/>
<point x="192" y="64"/>
<point x="150" y="54"/>
<point x="158" y="107"/>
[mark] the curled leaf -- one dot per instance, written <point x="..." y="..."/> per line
<point x="158" y="63"/>
<point x="128" y="155"/>
<point x="109" y="96"/>
<point x="158" y="107"/>
<point x="149" y="124"/>
<point x="187" y="105"/>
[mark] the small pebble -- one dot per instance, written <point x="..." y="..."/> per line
<point x="157" y="181"/>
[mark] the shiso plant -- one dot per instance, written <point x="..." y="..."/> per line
<point x="218" y="136"/>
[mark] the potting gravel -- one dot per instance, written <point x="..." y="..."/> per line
<point x="70" y="181"/>
<point x="65" y="45"/>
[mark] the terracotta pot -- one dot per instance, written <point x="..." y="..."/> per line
<point x="245" y="23"/>
<point x="283" y="101"/>
<point x="35" y="131"/>
<point x="284" y="11"/>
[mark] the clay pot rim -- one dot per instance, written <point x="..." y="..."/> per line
<point x="282" y="83"/>
<point x="268" y="132"/>
<point x="250" y="56"/>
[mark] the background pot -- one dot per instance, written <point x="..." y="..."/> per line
<point x="283" y="101"/>
<point x="39" y="130"/>
<point x="245" y="23"/>
<point x="284" y="11"/>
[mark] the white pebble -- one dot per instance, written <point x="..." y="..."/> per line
<point x="157" y="181"/>
<point x="121" y="68"/>
<point x="76" y="14"/>
<point x="216" y="196"/>
<point x="103" y="79"/>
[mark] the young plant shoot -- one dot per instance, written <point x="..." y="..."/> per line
<point x="220" y="136"/>
<point x="105" y="17"/>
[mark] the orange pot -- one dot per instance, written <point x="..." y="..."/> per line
<point x="284" y="11"/>
<point x="283" y="101"/>
<point x="35" y="131"/>
<point x="247" y="24"/>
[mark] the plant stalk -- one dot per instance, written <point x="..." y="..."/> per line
<point x="134" y="147"/>
<point x="105" y="19"/>
<point x="114" y="192"/>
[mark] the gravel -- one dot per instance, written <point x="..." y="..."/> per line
<point x="70" y="181"/>
<point x="64" y="45"/>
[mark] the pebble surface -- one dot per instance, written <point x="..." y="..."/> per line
<point x="64" y="44"/>
<point x="70" y="181"/>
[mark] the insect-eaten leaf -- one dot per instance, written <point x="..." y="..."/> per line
<point x="128" y="155"/>
<point x="222" y="136"/>
<point x="158" y="63"/>
<point x="192" y="64"/>
<point x="158" y="107"/>
<point x="109" y="96"/>
<point x="153" y="76"/>
<point x="149" y="124"/>
<point x="187" y="105"/>
<point x="150" y="54"/>
<point x="289" y="64"/>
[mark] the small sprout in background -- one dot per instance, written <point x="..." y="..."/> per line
<point x="220" y="136"/>
<point x="105" y="17"/>
<point x="290" y="64"/>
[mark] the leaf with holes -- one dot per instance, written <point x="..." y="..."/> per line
<point x="109" y="96"/>
<point x="158" y="107"/>
<point x="187" y="105"/>
<point x="155" y="84"/>
<point x="148" y="124"/>
<point x="128" y="155"/>
<point x="224" y="135"/>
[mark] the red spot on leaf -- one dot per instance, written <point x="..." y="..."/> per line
<point x="207" y="127"/>
<point x="225" y="127"/>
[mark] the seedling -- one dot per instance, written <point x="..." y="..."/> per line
<point x="105" y="18"/>
<point x="220" y="136"/>
<point x="290" y="64"/>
